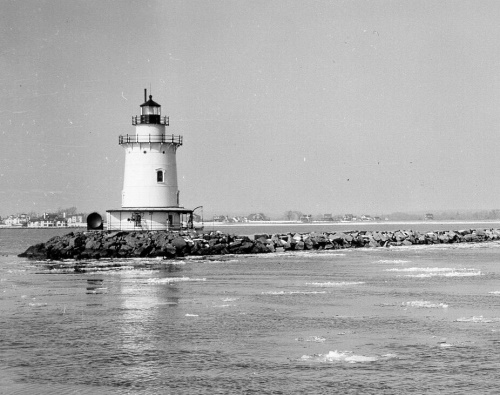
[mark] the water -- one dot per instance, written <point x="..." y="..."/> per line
<point x="419" y="319"/>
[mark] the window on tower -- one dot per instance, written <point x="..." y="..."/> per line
<point x="159" y="175"/>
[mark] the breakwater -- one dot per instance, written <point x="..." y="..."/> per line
<point x="109" y="244"/>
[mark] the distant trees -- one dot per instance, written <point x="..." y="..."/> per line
<point x="258" y="217"/>
<point x="68" y="211"/>
<point x="292" y="215"/>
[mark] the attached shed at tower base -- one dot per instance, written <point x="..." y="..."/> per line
<point x="137" y="219"/>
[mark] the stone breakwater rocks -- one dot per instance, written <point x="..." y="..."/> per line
<point x="106" y="244"/>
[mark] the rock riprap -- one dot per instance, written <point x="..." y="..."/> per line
<point x="108" y="244"/>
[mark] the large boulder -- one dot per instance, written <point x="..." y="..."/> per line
<point x="36" y="252"/>
<point x="299" y="245"/>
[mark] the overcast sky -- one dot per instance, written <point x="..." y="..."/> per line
<point x="367" y="107"/>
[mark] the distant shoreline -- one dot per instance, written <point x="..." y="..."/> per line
<point x="320" y="223"/>
<point x="207" y="224"/>
<point x="42" y="227"/>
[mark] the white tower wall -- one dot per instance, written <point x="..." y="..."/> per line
<point x="141" y="187"/>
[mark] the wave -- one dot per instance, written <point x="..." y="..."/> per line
<point x="425" y="304"/>
<point x="315" y="339"/>
<point x="292" y="292"/>
<point x="336" y="284"/>
<point x="122" y="271"/>
<point x="323" y="254"/>
<point x="213" y="260"/>
<point x="494" y="292"/>
<point x="169" y="280"/>
<point x="423" y="269"/>
<point x="338" y="356"/>
<point x="392" y="261"/>
<point x="295" y="254"/>
<point x="478" y="319"/>
<point x="425" y="272"/>
<point x="450" y="274"/>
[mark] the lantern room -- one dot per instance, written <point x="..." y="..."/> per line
<point x="150" y="113"/>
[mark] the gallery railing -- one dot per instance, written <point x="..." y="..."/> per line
<point x="162" y="138"/>
<point x="150" y="119"/>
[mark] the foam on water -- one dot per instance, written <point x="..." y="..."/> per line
<point x="315" y="339"/>
<point x="110" y="265"/>
<point x="323" y="254"/>
<point x="449" y="274"/>
<point x="336" y="284"/>
<point x="213" y="260"/>
<point x="229" y="299"/>
<point x="478" y="319"/>
<point x="292" y="292"/>
<point x="423" y="269"/>
<point x="37" y="304"/>
<point x="128" y="271"/>
<point x="425" y="304"/>
<point x="294" y="254"/>
<point x="453" y="246"/>
<point x="425" y="272"/>
<point x="338" y="356"/>
<point x="169" y="280"/>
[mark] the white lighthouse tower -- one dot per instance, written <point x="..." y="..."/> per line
<point x="150" y="195"/>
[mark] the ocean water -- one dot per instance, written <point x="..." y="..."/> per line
<point x="418" y="319"/>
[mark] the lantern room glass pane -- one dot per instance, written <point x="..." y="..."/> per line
<point x="146" y="110"/>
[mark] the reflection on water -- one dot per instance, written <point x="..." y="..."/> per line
<point x="96" y="286"/>
<point x="399" y="320"/>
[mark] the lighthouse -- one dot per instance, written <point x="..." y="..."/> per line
<point x="150" y="194"/>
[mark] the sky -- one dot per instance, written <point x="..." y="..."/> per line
<point x="364" y="107"/>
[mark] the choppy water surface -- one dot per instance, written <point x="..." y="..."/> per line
<point x="420" y="319"/>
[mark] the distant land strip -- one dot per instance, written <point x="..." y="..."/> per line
<point x="170" y="245"/>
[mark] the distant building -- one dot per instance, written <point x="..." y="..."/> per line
<point x="306" y="218"/>
<point x="348" y="217"/>
<point x="328" y="217"/>
<point x="238" y="219"/>
<point x="19" y="220"/>
<point x="429" y="217"/>
<point x="48" y="221"/>
<point x="76" y="221"/>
